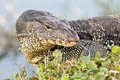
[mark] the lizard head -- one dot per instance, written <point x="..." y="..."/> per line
<point x="47" y="27"/>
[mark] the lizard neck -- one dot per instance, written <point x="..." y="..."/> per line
<point x="82" y="27"/>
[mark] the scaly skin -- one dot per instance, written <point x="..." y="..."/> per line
<point x="40" y="33"/>
<point x="104" y="29"/>
<point x="87" y="47"/>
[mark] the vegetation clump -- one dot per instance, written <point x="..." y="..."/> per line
<point x="85" y="68"/>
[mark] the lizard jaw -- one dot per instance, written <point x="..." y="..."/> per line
<point x="63" y="43"/>
<point x="58" y="42"/>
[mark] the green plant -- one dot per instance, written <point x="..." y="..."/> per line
<point x="85" y="68"/>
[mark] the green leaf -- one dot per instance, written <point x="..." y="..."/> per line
<point x="115" y="49"/>
<point x="101" y="77"/>
<point x="41" y="66"/>
<point x="72" y="69"/>
<point x="118" y="68"/>
<point x="93" y="72"/>
<point x="79" y="76"/>
<point x="93" y="66"/>
<point x="86" y="59"/>
<point x="66" y="78"/>
<point x="98" y="55"/>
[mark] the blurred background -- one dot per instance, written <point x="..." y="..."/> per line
<point x="10" y="57"/>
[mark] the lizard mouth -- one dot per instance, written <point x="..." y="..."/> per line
<point x="69" y="44"/>
<point x="63" y="43"/>
<point x="66" y="43"/>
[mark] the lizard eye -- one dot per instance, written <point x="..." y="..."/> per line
<point x="48" y="27"/>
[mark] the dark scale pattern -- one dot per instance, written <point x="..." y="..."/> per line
<point x="71" y="52"/>
<point x="104" y="29"/>
<point x="88" y="48"/>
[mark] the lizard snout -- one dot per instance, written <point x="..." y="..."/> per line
<point x="74" y="39"/>
<point x="70" y="37"/>
<point x="73" y="36"/>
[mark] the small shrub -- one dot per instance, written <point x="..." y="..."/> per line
<point x="85" y="68"/>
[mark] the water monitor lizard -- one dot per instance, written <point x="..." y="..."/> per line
<point x="40" y="33"/>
